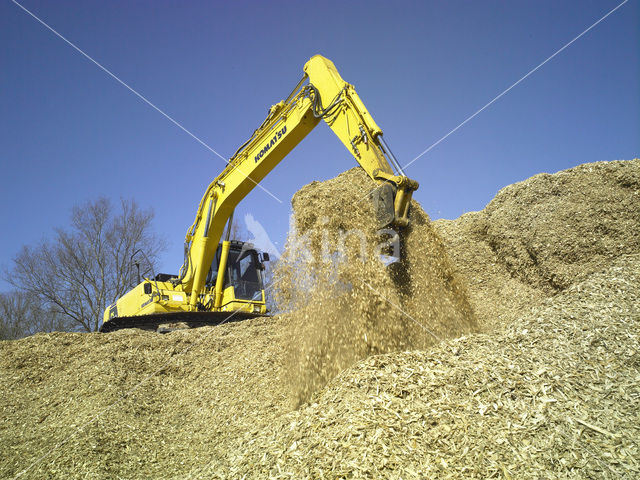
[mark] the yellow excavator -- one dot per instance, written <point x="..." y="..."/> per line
<point x="222" y="281"/>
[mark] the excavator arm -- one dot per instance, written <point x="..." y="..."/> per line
<point x="200" y="294"/>
<point x="326" y="97"/>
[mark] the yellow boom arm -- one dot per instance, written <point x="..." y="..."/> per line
<point x="326" y="96"/>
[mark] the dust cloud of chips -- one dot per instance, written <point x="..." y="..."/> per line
<point x="549" y="389"/>
<point x="344" y="304"/>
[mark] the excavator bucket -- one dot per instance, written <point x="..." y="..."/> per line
<point x="382" y="198"/>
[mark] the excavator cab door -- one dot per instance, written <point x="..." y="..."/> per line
<point x="243" y="274"/>
<point x="241" y="271"/>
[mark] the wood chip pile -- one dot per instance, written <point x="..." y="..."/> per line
<point x="135" y="404"/>
<point x="537" y="237"/>
<point x="554" y="395"/>
<point x="549" y="389"/>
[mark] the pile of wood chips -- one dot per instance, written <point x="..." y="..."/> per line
<point x="539" y="236"/>
<point x="549" y="389"/>
<point x="554" y="395"/>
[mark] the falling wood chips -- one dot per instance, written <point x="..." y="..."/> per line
<point x="550" y="389"/>
<point x="345" y="310"/>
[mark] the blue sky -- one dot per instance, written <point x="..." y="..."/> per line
<point x="70" y="132"/>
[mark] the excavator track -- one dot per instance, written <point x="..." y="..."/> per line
<point x="162" y="322"/>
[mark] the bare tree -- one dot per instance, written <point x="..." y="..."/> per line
<point x="22" y="315"/>
<point x="87" y="267"/>
<point x="13" y="316"/>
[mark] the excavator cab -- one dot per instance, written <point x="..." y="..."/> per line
<point x="244" y="271"/>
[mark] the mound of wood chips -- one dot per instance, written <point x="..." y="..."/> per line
<point x="550" y="389"/>
<point x="135" y="404"/>
<point x="554" y="395"/>
<point x="537" y="237"/>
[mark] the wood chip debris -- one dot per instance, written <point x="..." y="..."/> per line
<point x="549" y="388"/>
